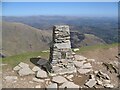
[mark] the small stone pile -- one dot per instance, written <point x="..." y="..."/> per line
<point x="83" y="67"/>
<point x="23" y="69"/>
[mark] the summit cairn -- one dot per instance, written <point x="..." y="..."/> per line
<point x="61" y="55"/>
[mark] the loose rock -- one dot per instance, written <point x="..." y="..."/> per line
<point x="76" y="49"/>
<point x="25" y="71"/>
<point x="103" y="75"/>
<point x="52" y="86"/>
<point x="38" y="80"/>
<point x="23" y="65"/>
<point x="16" y="68"/>
<point x="87" y="65"/>
<point x="78" y="64"/>
<point x="84" y="71"/>
<point x="41" y="74"/>
<point x="108" y="86"/>
<point x="70" y="77"/>
<point x="91" y="60"/>
<point x="79" y="57"/>
<point x="99" y="82"/>
<point x="11" y="78"/>
<point x="36" y="68"/>
<point x="106" y="81"/>
<point x="69" y="85"/>
<point x="59" y="79"/>
<point x="92" y="76"/>
<point x="38" y="86"/>
<point x="91" y="83"/>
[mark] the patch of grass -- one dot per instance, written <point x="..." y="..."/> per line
<point x="102" y="46"/>
<point x="25" y="57"/>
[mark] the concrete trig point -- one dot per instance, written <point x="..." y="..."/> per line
<point x="61" y="57"/>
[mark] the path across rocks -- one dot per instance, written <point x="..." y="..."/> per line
<point x="42" y="79"/>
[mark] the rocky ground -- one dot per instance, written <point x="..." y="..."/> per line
<point x="95" y="69"/>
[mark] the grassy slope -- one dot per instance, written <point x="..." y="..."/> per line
<point x="20" y="38"/>
<point x="102" y="46"/>
<point x="25" y="57"/>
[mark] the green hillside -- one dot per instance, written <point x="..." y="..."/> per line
<point x="25" y="57"/>
<point x="20" y="38"/>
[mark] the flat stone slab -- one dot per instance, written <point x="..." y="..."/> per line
<point x="23" y="65"/>
<point x="78" y="64"/>
<point x="59" y="79"/>
<point x="36" y="68"/>
<point x="70" y="77"/>
<point x="52" y="86"/>
<point x="69" y="85"/>
<point x="41" y="74"/>
<point x="103" y="75"/>
<point x="108" y="86"/>
<point x="79" y="57"/>
<point x="38" y="86"/>
<point x="38" y="80"/>
<point x="16" y="68"/>
<point x="61" y="71"/>
<point x="87" y="65"/>
<point x="25" y="71"/>
<point x="99" y="82"/>
<point x="84" y="71"/>
<point x="11" y="78"/>
<point x="91" y="60"/>
<point x="91" y="83"/>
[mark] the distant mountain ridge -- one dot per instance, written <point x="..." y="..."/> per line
<point x="102" y="27"/>
<point x="19" y="38"/>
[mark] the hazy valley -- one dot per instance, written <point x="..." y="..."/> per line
<point x="20" y="38"/>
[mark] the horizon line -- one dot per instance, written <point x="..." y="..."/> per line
<point x="53" y="15"/>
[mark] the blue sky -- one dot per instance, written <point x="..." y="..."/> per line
<point x="109" y="9"/>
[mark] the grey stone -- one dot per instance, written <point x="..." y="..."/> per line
<point x="96" y="72"/>
<point x="16" y="68"/>
<point x="84" y="71"/>
<point x="103" y="75"/>
<point x="70" y="77"/>
<point x="38" y="80"/>
<point x="31" y="82"/>
<point x="36" y="68"/>
<point x="11" y="78"/>
<point x="59" y="79"/>
<point x="99" y="82"/>
<point x="79" y="57"/>
<point x="108" y="86"/>
<point x="78" y="64"/>
<point x="92" y="76"/>
<point x="52" y="86"/>
<point x="41" y="74"/>
<point x="91" y="83"/>
<point x="38" y="86"/>
<point x="76" y="49"/>
<point x="106" y="81"/>
<point x="23" y="65"/>
<point x="25" y="71"/>
<point x="87" y="65"/>
<point x="91" y="60"/>
<point x="63" y="45"/>
<point x="69" y="85"/>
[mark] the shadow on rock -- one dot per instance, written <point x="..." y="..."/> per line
<point x="43" y="63"/>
